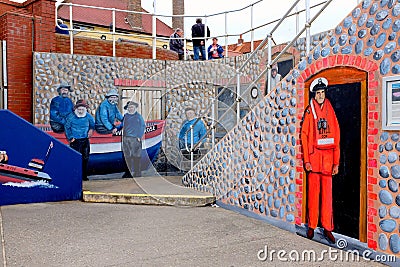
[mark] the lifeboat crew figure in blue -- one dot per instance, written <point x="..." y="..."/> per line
<point x="199" y="131"/>
<point x="133" y="130"/>
<point x="60" y="107"/>
<point x="108" y="116"/>
<point x="79" y="128"/>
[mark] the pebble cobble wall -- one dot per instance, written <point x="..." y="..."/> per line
<point x="255" y="167"/>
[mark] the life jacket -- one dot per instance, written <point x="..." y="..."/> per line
<point x="324" y="125"/>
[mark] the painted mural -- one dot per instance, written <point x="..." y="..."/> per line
<point x="258" y="166"/>
<point x="45" y="171"/>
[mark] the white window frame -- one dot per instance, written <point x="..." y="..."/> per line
<point x="389" y="121"/>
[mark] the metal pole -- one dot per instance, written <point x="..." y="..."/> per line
<point x="113" y="30"/>
<point x="297" y="19"/>
<point x="71" y="33"/>
<point x="191" y="146"/>
<point x="4" y="74"/>
<point x="154" y="29"/>
<point x="251" y="25"/>
<point x="205" y="36"/>
<point x="226" y="34"/>
<point x="184" y="48"/>
<point x="308" y="37"/>
<point x="213" y="121"/>
<point x="269" y="63"/>
<point x="238" y="97"/>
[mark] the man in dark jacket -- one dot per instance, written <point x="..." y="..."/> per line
<point x="60" y="107"/>
<point x="198" y="30"/>
<point x="176" y="44"/>
<point x="134" y="126"/>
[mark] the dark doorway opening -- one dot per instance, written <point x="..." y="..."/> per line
<point x="346" y="100"/>
<point x="285" y="67"/>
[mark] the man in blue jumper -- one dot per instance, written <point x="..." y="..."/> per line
<point x="134" y="126"/>
<point x="107" y="114"/>
<point x="79" y="127"/>
<point x="199" y="130"/>
<point x="60" y="107"/>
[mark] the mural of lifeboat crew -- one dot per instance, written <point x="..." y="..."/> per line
<point x="106" y="154"/>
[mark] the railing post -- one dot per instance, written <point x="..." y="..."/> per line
<point x="297" y="19"/>
<point x="184" y="48"/>
<point x="191" y="146"/>
<point x="238" y="98"/>
<point x="113" y="31"/>
<point x="154" y="29"/>
<point x="252" y="30"/>
<point x="213" y="121"/>
<point x="269" y="63"/>
<point x="71" y="33"/>
<point x="226" y="34"/>
<point x="205" y="36"/>
<point x="308" y="37"/>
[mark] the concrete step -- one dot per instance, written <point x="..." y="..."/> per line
<point x="152" y="190"/>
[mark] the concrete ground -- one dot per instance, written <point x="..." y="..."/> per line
<point x="76" y="233"/>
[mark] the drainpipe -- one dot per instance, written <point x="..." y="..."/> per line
<point x="33" y="34"/>
<point x="5" y="80"/>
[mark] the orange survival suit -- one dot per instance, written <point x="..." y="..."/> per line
<point x="320" y="139"/>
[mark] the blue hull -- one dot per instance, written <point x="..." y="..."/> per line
<point x="112" y="162"/>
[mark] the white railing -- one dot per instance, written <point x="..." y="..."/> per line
<point x="153" y="36"/>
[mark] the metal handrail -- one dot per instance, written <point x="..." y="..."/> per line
<point x="154" y="36"/>
<point x="287" y="46"/>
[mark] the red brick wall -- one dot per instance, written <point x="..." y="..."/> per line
<point x="89" y="46"/>
<point x="44" y="13"/>
<point x="6" y="6"/>
<point x="18" y="34"/>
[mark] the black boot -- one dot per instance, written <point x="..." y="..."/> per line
<point x="330" y="236"/>
<point x="310" y="233"/>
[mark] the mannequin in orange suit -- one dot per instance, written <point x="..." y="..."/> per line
<point x="320" y="139"/>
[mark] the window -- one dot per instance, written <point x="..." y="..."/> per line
<point x="391" y="103"/>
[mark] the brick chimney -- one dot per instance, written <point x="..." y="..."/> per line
<point x="135" y="20"/>
<point x="178" y="8"/>
<point x="240" y="40"/>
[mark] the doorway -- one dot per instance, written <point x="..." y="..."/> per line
<point x="346" y="184"/>
<point x="347" y="92"/>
